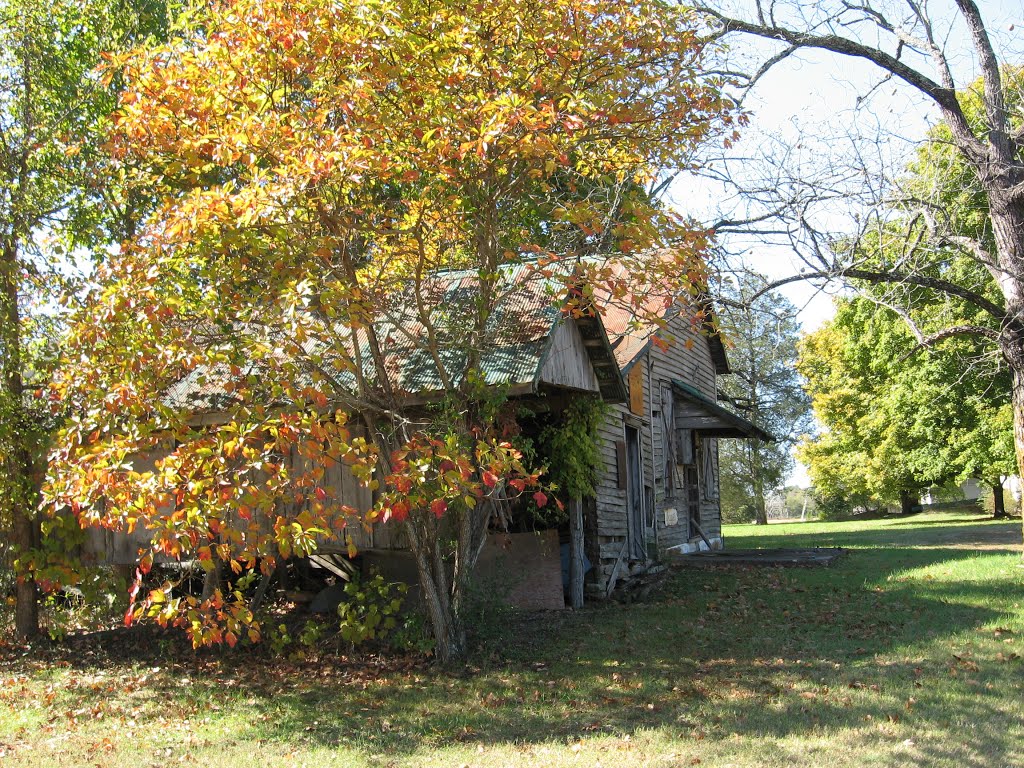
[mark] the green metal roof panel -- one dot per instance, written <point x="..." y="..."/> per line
<point x="517" y="336"/>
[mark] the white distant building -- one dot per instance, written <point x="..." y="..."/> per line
<point x="973" y="489"/>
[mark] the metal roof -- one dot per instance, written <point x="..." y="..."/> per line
<point x="526" y="309"/>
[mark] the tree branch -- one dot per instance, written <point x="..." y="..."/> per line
<point x="870" y="276"/>
<point x="944" y="95"/>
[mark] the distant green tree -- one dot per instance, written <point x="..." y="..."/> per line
<point x="55" y="200"/>
<point x="897" y="420"/>
<point x="765" y="386"/>
<point x="800" y="502"/>
<point x="905" y="379"/>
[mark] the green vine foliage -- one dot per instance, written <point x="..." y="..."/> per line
<point x="573" y="448"/>
<point x="371" y="610"/>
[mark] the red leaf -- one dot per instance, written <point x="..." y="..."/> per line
<point x="490" y="479"/>
<point x="399" y="510"/>
<point x="438" y="507"/>
<point x="540" y="498"/>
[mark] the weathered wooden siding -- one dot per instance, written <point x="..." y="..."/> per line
<point x="106" y="547"/>
<point x="567" y="363"/>
<point x="344" y="488"/>
<point x="121" y="548"/>
<point x="687" y="359"/>
<point x="611" y="503"/>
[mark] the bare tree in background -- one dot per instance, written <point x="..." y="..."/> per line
<point x="982" y="131"/>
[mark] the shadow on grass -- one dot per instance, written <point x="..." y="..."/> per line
<point x="749" y="652"/>
<point x="864" y="647"/>
<point x="960" y="520"/>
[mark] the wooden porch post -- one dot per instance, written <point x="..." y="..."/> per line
<point x="576" y="553"/>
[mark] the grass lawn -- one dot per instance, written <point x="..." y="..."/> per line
<point x="905" y="652"/>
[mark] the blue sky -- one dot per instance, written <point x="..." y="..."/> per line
<point x="811" y="101"/>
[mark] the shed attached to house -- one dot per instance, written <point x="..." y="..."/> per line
<point x="660" y="487"/>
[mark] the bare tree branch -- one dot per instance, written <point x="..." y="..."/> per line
<point x="944" y="95"/>
<point x="924" y="281"/>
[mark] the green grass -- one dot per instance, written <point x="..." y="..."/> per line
<point x="905" y="652"/>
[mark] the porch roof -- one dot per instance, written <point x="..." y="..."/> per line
<point x="709" y="418"/>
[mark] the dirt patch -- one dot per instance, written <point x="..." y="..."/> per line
<point x="767" y="557"/>
<point x="989" y="537"/>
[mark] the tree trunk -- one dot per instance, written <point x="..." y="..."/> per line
<point x="19" y="485"/>
<point x="907" y="503"/>
<point x="212" y="580"/>
<point x="998" y="506"/>
<point x="450" y="642"/>
<point x="26" y="606"/>
<point x="760" y="510"/>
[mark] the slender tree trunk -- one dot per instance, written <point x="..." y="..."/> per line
<point x="213" y="578"/>
<point x="998" y="506"/>
<point x="449" y="632"/>
<point x="757" y="480"/>
<point x="907" y="502"/>
<point x="26" y="606"/>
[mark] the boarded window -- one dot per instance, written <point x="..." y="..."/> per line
<point x="636" y="390"/>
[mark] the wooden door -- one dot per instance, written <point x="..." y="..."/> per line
<point x="635" y="496"/>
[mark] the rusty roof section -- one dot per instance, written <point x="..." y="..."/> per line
<point x="630" y="337"/>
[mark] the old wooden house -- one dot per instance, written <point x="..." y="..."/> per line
<point x="660" y="490"/>
<point x="658" y="486"/>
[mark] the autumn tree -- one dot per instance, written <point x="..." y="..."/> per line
<point x="913" y="46"/>
<point x="764" y="385"/>
<point x="353" y="189"/>
<point x="53" y="211"/>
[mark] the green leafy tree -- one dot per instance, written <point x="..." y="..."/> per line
<point x="765" y="386"/>
<point x="896" y="422"/>
<point x="54" y="110"/>
<point x="904" y="377"/>
<point x="800" y="502"/>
